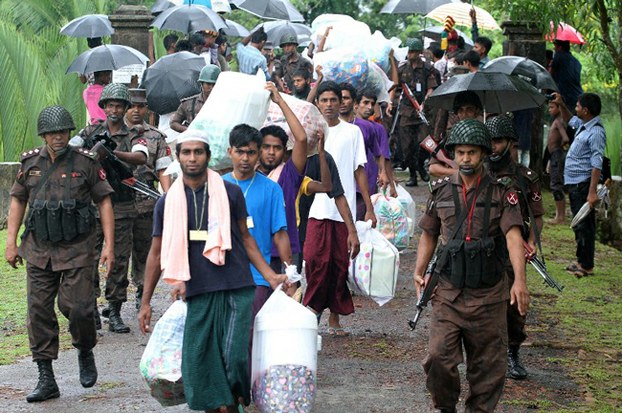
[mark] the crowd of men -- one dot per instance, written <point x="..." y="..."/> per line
<point x="223" y="240"/>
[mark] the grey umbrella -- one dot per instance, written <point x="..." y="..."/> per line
<point x="498" y="92"/>
<point x="161" y="5"/>
<point x="235" y="29"/>
<point x="270" y="9"/>
<point x="90" y="25"/>
<point x="413" y="6"/>
<point x="170" y="79"/>
<point x="189" y="19"/>
<point x="106" y="57"/>
<point x="276" y="29"/>
<point x="524" y="68"/>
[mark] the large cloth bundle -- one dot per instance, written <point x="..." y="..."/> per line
<point x="236" y="98"/>
<point x="393" y="223"/>
<point x="309" y="116"/>
<point x="284" y="359"/>
<point x="343" y="65"/>
<point x="373" y="272"/>
<point x="160" y="364"/>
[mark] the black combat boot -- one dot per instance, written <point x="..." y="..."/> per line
<point x="88" y="371"/>
<point x="106" y="311"/>
<point x="139" y="296"/>
<point x="425" y="177"/>
<point x="46" y="387"/>
<point x="448" y="410"/>
<point x="413" y="180"/>
<point x="115" y="322"/>
<point x="516" y="370"/>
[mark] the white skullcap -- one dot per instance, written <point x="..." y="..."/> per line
<point x="192" y="135"/>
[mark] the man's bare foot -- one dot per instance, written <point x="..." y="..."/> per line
<point x="557" y="221"/>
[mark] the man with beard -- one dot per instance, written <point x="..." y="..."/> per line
<point x="191" y="106"/>
<point x="288" y="171"/>
<point x="150" y="173"/>
<point x="503" y="167"/>
<point x="219" y="289"/>
<point x="131" y="149"/>
<point x="420" y="78"/>
<point x="59" y="248"/>
<point x="291" y="60"/>
<point x="478" y="220"/>
<point x="331" y="238"/>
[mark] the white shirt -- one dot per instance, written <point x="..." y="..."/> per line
<point x="345" y="143"/>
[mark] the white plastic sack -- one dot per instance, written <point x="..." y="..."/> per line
<point x="378" y="49"/>
<point x="284" y="359"/>
<point x="393" y="223"/>
<point x="346" y="32"/>
<point x="160" y="364"/>
<point x="379" y="82"/>
<point x="236" y="98"/>
<point x="374" y="270"/>
<point x="409" y="205"/>
<point x="309" y="116"/>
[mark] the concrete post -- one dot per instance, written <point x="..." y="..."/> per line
<point x="131" y="25"/>
<point x="524" y="39"/>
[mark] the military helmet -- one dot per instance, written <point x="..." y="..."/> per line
<point x="115" y="91"/>
<point x="209" y="74"/>
<point x="501" y="127"/>
<point x="469" y="132"/>
<point x="415" y="44"/>
<point x="54" y="119"/>
<point x="288" y="38"/>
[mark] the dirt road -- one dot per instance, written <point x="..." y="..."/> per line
<point x="376" y="369"/>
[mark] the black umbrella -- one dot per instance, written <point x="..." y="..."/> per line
<point x="170" y="79"/>
<point x="276" y="29"/>
<point x="189" y="19"/>
<point x="107" y="57"/>
<point x="161" y="5"/>
<point x="498" y="92"/>
<point x="523" y="68"/>
<point x="270" y="9"/>
<point x="90" y="25"/>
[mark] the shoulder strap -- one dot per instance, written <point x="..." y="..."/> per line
<point x="68" y="172"/>
<point x="194" y="103"/>
<point x="487" y="211"/>
<point x="532" y="219"/>
<point x="44" y="178"/>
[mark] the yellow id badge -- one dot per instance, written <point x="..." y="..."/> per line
<point x="198" y="235"/>
<point x="250" y="223"/>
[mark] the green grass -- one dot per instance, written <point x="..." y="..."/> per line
<point x="13" y="312"/>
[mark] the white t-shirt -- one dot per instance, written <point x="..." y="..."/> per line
<point x="345" y="143"/>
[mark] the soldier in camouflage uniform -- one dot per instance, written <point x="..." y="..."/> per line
<point x="59" y="183"/>
<point x="502" y="166"/>
<point x="419" y="77"/>
<point x="131" y="149"/>
<point x="478" y="221"/>
<point x="191" y="106"/>
<point x="150" y="173"/>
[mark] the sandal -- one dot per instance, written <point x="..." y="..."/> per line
<point x="338" y="332"/>
<point x="580" y="273"/>
<point x="573" y="268"/>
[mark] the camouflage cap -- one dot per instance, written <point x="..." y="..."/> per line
<point x="469" y="132"/>
<point x="415" y="45"/>
<point x="115" y="91"/>
<point x="54" y="119"/>
<point x="501" y="127"/>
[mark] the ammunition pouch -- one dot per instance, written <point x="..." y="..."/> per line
<point x="476" y="264"/>
<point x="55" y="221"/>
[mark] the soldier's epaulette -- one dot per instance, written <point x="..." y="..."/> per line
<point x="437" y="183"/>
<point x="505" y="181"/>
<point x="531" y="175"/>
<point x="86" y="152"/>
<point x="188" y="98"/>
<point x="29" y="154"/>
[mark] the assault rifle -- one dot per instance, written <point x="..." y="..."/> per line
<point x="413" y="100"/>
<point x="427" y="291"/>
<point x="436" y="150"/>
<point x="540" y="267"/>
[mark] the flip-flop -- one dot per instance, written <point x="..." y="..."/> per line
<point x="338" y="332"/>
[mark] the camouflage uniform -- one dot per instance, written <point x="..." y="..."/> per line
<point x="159" y="159"/>
<point x="412" y="129"/>
<point x="123" y="201"/>
<point x="63" y="268"/>
<point x="188" y="109"/>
